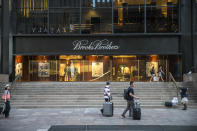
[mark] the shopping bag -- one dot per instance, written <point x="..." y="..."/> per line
<point x="174" y="101"/>
<point x="155" y="78"/>
<point x="184" y="100"/>
<point x="5" y="96"/>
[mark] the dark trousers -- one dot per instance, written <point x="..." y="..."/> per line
<point x="129" y="108"/>
<point x="7" y="109"/>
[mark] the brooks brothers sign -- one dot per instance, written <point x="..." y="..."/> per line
<point x="104" y="44"/>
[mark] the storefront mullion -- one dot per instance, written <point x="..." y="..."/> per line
<point x="1" y="17"/>
<point x="145" y="27"/>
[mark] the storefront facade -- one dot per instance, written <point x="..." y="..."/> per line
<point x="98" y="58"/>
<point x="99" y="40"/>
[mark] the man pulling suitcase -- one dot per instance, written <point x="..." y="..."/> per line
<point x="129" y="96"/>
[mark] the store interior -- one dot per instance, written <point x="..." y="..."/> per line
<point x="75" y="68"/>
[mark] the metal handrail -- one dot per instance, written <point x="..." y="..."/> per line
<point x="14" y="82"/>
<point x="2" y="85"/>
<point x="101" y="76"/>
<point x="174" y="82"/>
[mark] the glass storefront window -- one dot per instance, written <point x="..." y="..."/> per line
<point x="70" y="71"/>
<point x="96" y="16"/>
<point x="95" y="67"/>
<point x="34" y="23"/>
<point x="43" y="70"/>
<point x="128" y="16"/>
<point x="74" y="68"/>
<point x="149" y="62"/>
<point x="31" y="16"/>
<point x="128" y="3"/>
<point x="128" y="20"/>
<point x="64" y="3"/>
<point x="162" y="16"/>
<point x="161" y="2"/>
<point x="96" y="3"/>
<point x="64" y="21"/>
<point x="125" y="68"/>
<point x="96" y="20"/>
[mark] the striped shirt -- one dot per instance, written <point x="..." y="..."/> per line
<point x="106" y="92"/>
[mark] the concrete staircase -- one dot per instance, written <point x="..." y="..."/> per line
<point x="90" y="94"/>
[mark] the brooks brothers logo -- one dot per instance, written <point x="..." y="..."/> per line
<point x="94" y="45"/>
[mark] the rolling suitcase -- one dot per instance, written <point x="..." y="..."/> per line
<point x="136" y="110"/>
<point x="108" y="109"/>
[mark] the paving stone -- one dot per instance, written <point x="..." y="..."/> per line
<point x="35" y="119"/>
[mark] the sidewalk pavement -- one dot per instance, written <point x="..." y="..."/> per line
<point x="43" y="119"/>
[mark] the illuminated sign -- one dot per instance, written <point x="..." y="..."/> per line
<point x="94" y="45"/>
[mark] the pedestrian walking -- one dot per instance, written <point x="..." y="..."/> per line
<point x="184" y="99"/>
<point x="130" y="100"/>
<point x="6" y="98"/>
<point x="160" y="73"/>
<point x="152" y="72"/>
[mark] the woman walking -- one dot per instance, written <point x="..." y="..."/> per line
<point x="184" y="99"/>
<point x="160" y="73"/>
<point x="6" y="98"/>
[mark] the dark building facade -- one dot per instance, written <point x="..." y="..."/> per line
<point x="97" y="40"/>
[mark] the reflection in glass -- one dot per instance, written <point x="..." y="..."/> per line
<point x="64" y="21"/>
<point x="35" y="23"/>
<point x="31" y="16"/>
<point x="128" y="16"/>
<point x="128" y="3"/>
<point x="127" y="20"/>
<point x="96" y="3"/>
<point x="96" y="20"/>
<point x="95" y="16"/>
<point x="161" y="2"/>
<point x="64" y="3"/>
<point x="162" y="19"/>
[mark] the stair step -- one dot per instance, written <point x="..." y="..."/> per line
<point x="80" y="106"/>
<point x="90" y="94"/>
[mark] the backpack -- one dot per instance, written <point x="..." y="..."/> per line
<point x="126" y="94"/>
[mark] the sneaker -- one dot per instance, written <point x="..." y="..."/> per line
<point x="122" y="116"/>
